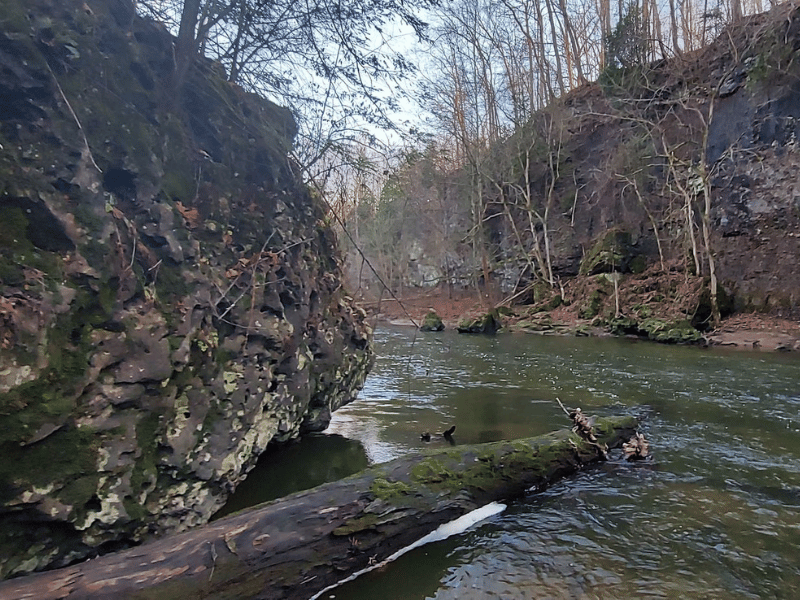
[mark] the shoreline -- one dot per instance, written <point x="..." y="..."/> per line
<point x="742" y="332"/>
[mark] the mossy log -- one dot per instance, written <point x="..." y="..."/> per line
<point x="298" y="545"/>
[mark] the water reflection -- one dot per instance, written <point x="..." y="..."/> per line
<point x="301" y="465"/>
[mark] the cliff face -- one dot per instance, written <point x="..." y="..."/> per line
<point x="637" y="153"/>
<point x="170" y="292"/>
<point x="614" y="176"/>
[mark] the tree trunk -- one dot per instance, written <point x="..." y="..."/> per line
<point x="299" y="545"/>
<point x="185" y="45"/>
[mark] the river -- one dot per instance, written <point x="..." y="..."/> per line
<point x="714" y="514"/>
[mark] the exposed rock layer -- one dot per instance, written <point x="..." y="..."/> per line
<point x="170" y="294"/>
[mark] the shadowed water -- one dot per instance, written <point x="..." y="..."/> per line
<point x="715" y="514"/>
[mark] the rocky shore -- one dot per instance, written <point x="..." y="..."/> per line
<point x="740" y="331"/>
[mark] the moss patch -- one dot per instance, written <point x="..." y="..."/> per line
<point x="432" y="322"/>
<point x="611" y="252"/>
<point x="389" y="490"/>
<point x="487" y="324"/>
<point x="58" y="460"/>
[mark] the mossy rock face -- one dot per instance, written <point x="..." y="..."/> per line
<point x="612" y="251"/>
<point x="670" y="332"/>
<point x="432" y="322"/>
<point x="488" y="324"/>
<point x="658" y="330"/>
<point x="593" y="305"/>
<point x="623" y="326"/>
<point x="165" y="313"/>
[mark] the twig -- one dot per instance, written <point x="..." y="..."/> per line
<point x="213" y="560"/>
<point x="74" y="116"/>
<point x="566" y="412"/>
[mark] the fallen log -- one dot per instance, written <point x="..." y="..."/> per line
<point x="298" y="545"/>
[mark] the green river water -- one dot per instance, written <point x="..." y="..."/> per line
<point x="715" y="514"/>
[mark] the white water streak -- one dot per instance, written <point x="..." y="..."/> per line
<point x="444" y="531"/>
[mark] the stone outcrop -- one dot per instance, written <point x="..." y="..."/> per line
<point x="432" y="322"/>
<point x="170" y="295"/>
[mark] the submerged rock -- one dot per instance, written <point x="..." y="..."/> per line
<point x="170" y="294"/>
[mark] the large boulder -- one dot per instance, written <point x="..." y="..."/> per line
<point x="170" y="294"/>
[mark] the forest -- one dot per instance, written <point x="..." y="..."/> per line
<point x="204" y="204"/>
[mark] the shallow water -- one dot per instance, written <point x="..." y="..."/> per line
<point x="715" y="514"/>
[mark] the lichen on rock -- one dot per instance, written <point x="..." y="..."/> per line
<point x="171" y="295"/>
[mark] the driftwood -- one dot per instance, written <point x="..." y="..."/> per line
<point x="298" y="545"/>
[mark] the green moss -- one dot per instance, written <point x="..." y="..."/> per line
<point x="27" y="407"/>
<point x="502" y="460"/>
<point x="389" y="490"/>
<point x="432" y="322"/>
<point x="623" y="326"/>
<point x="670" y="332"/>
<point x="170" y="284"/>
<point x="368" y="521"/>
<point x="605" y="427"/>
<point x="63" y="458"/>
<point x="487" y="324"/>
<point x="13" y="227"/>
<point x="51" y="396"/>
<point x="611" y="252"/>
<point x="145" y="471"/>
<point x="14" y="18"/>
<point x="638" y="264"/>
<point x="79" y="491"/>
<point x="177" y="185"/>
<point x="554" y="302"/>
<point x="135" y="510"/>
<point x="593" y="305"/>
<point x="18" y="253"/>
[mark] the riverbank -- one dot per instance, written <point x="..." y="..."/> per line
<point x="742" y="331"/>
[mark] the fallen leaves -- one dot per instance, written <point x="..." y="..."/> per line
<point x="190" y="215"/>
<point x="637" y="448"/>
<point x="246" y="264"/>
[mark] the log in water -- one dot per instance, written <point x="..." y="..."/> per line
<point x="298" y="545"/>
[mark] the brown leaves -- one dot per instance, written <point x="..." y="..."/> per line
<point x="637" y="448"/>
<point x="190" y="215"/>
<point x="582" y="425"/>
<point x="246" y="264"/>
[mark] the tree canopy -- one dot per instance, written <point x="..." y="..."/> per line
<point x="331" y="61"/>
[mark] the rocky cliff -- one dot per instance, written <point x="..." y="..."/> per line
<point x="639" y="152"/>
<point x="648" y="146"/>
<point x="170" y="297"/>
<point x="654" y="172"/>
